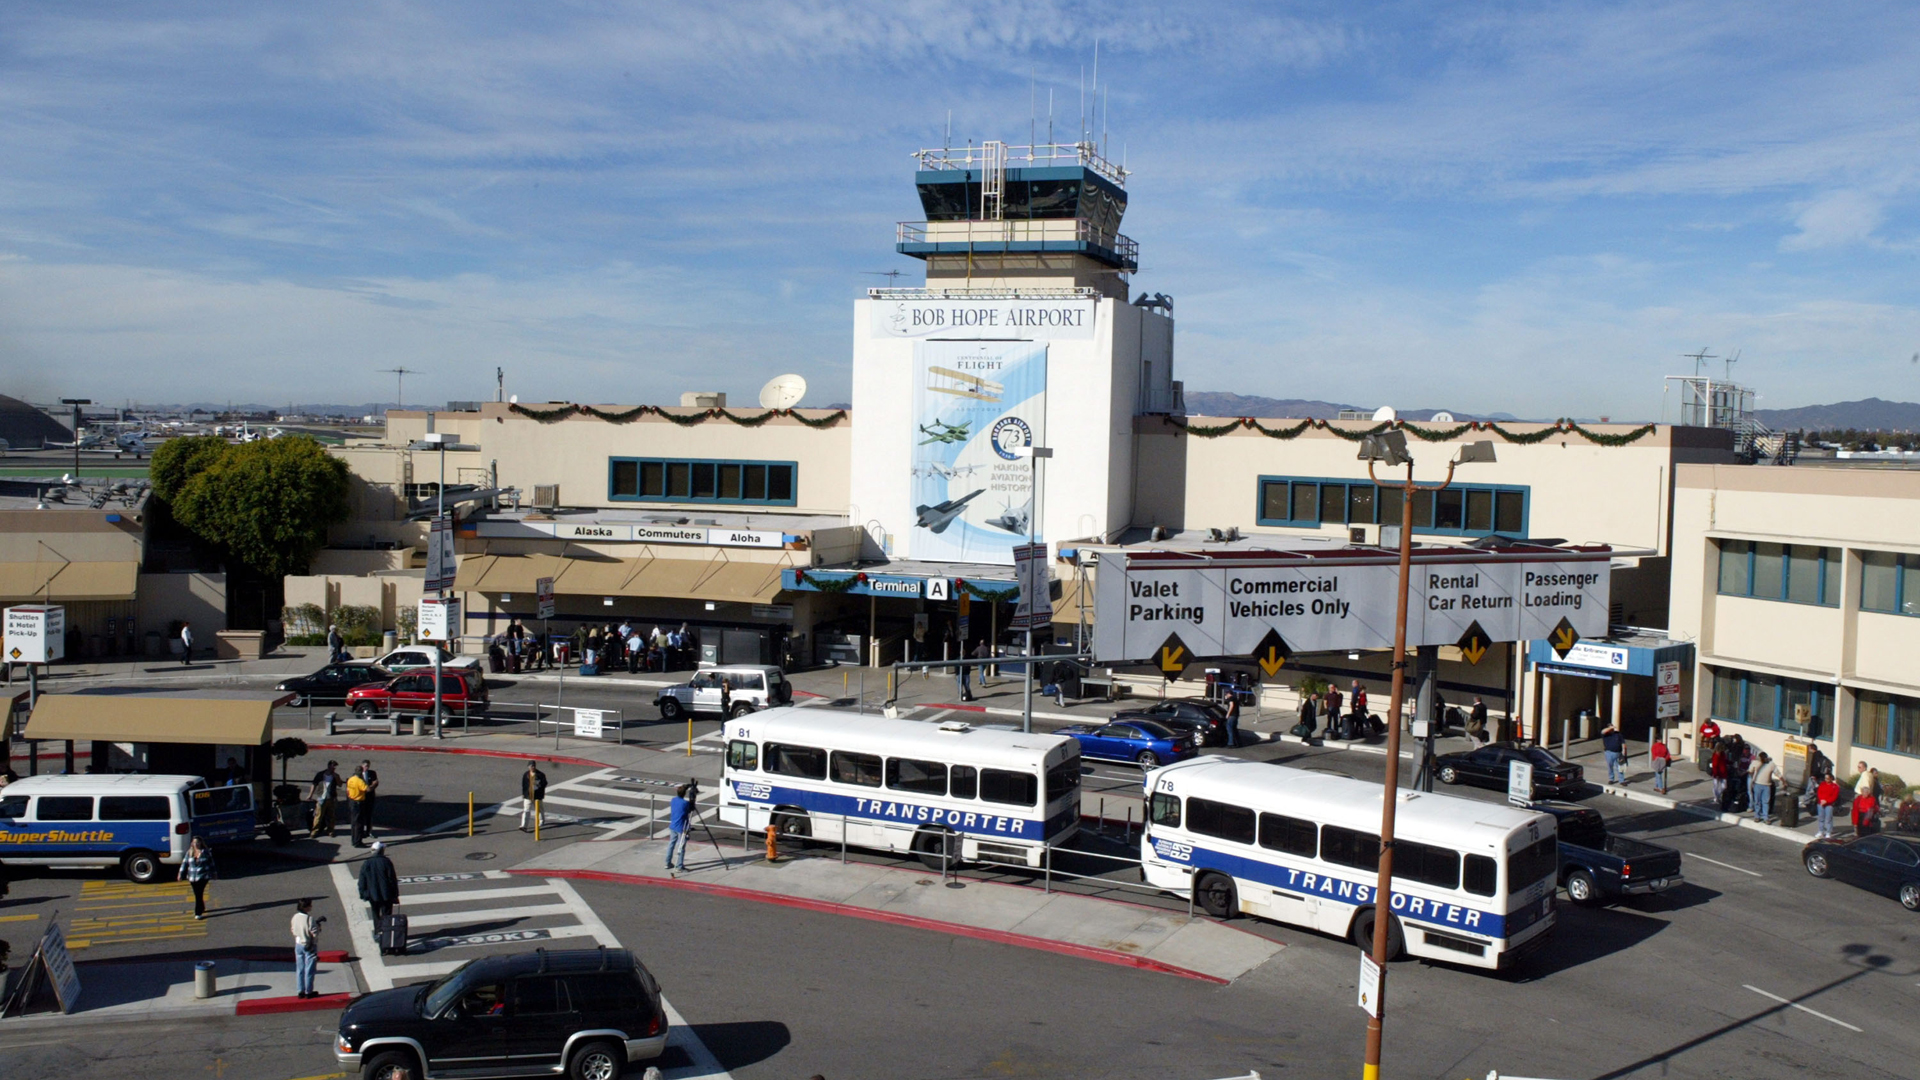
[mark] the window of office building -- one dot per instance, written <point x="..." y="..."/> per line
<point x="746" y="483"/>
<point x="1890" y="583"/>
<point x="1885" y="722"/>
<point x="1460" y="510"/>
<point x="1768" y="701"/>
<point x="1797" y="573"/>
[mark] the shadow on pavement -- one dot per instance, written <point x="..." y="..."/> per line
<point x="740" y="1044"/>
<point x="1588" y="934"/>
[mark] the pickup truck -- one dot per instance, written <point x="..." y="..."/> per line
<point x="1596" y="866"/>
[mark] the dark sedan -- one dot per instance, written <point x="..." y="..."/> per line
<point x="330" y="684"/>
<point x="1204" y="720"/>
<point x="1487" y="767"/>
<point x="1881" y="862"/>
<point x="1144" y="742"/>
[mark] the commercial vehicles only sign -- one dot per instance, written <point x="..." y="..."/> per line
<point x="1225" y="603"/>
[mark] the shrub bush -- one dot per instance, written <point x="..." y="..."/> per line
<point x="304" y="620"/>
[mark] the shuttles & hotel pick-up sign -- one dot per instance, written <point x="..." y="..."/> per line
<point x="1223" y="603"/>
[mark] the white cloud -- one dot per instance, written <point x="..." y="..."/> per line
<point x="1835" y="220"/>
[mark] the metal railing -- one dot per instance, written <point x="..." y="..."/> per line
<point x="1018" y="230"/>
<point x="1002" y="292"/>
<point x="981" y="157"/>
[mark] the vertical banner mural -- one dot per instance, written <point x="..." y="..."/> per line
<point x="975" y="403"/>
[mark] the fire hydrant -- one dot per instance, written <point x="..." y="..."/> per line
<point x="773" y="842"/>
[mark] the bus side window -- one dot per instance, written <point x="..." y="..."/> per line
<point x="806" y="762"/>
<point x="965" y="782"/>
<point x="1166" y="809"/>
<point x="1011" y="788"/>
<point x="1295" y="836"/>
<point x="1482" y="875"/>
<point x="1223" y="820"/>
<point x="743" y="755"/>
<point x="64" y="808"/>
<point x="1347" y="847"/>
<point x="13" y="808"/>
<point x="862" y="770"/>
<point x="1426" y="864"/>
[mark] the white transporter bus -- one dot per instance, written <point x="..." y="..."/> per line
<point x="942" y="791"/>
<point x="1473" y="882"/>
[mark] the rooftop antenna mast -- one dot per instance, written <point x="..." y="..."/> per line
<point x="1033" y="109"/>
<point x="399" y="384"/>
<point x="1698" y="359"/>
<point x="1096" y="86"/>
<point x="1729" y="362"/>
<point x="1049" y="116"/>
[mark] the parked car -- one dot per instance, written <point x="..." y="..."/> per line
<point x="580" y="1013"/>
<point x="330" y="684"/>
<point x="1886" y="863"/>
<point x="411" y="657"/>
<point x="749" y="687"/>
<point x="462" y="690"/>
<point x="1597" y="866"/>
<point x="1204" y="720"/>
<point x="1148" y="743"/>
<point x="1487" y="767"/>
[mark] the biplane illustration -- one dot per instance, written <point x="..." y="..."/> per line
<point x="958" y="383"/>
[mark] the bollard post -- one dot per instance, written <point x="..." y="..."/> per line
<point x="203" y="979"/>
<point x="1103" y="815"/>
<point x="689" y="732"/>
<point x="1046" y="865"/>
<point x="653" y="812"/>
<point x="537" y="815"/>
<point x="469" y="813"/>
<point x="309" y="712"/>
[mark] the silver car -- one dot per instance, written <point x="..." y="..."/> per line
<point x="746" y="687"/>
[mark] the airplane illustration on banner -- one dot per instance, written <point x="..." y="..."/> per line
<point x="943" y="432"/>
<point x="937" y="517"/>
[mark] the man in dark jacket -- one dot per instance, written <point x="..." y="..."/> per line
<point x="1614" y="745"/>
<point x="379" y="884"/>
<point x="533" y="788"/>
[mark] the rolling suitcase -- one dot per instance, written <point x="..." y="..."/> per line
<point x="393" y="936"/>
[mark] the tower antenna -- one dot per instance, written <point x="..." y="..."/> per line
<point x="399" y="384"/>
<point x="1096" y="83"/>
<point x="1083" y="103"/>
<point x="1049" y="116"/>
<point x="1698" y="359"/>
<point x="1033" y="109"/>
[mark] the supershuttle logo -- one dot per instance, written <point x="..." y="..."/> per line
<point x="58" y="836"/>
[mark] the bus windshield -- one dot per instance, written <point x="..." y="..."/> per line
<point x="1531" y="863"/>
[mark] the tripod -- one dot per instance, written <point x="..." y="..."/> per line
<point x="693" y="798"/>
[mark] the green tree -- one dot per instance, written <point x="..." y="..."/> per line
<point x="269" y="502"/>
<point x="178" y="461"/>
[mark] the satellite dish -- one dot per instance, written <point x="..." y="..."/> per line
<point x="1443" y="418"/>
<point x="783" y="392"/>
<point x="513" y="399"/>
<point x="1385" y="412"/>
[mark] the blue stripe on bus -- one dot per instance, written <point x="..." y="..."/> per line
<point x="225" y="828"/>
<point x="859" y="806"/>
<point x="1325" y="886"/>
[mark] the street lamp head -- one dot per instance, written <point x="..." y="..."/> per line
<point x="1476" y="452"/>
<point x="1387" y="448"/>
<point x="1030" y="451"/>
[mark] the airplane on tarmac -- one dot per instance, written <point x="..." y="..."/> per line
<point x="128" y="442"/>
<point x="937" y="517"/>
<point x="943" y="432"/>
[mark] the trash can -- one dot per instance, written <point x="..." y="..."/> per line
<point x="1789" y="807"/>
<point x="203" y="979"/>
<point x="389" y="641"/>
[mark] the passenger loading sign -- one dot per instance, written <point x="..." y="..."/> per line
<point x="36" y="634"/>
<point x="1225" y="604"/>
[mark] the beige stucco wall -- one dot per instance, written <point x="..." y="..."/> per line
<point x="1853" y="509"/>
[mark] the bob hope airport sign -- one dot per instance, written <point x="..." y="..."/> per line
<point x="1223" y="603"/>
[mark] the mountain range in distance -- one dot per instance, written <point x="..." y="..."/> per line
<point x="1218" y="403"/>
<point x="1867" y="414"/>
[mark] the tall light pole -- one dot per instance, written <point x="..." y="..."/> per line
<point x="76" y="402"/>
<point x="1391" y="448"/>
<point x="1034" y="455"/>
<point x="441" y="441"/>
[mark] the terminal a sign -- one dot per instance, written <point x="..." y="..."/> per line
<point x="1226" y="604"/>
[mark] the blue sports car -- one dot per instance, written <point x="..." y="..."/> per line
<point x="1146" y="742"/>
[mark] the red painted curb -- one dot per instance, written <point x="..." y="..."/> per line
<point x="263" y="1006"/>
<point x="951" y="705"/>
<point x="383" y="748"/>
<point x="1003" y="937"/>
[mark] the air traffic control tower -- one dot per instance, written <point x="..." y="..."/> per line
<point x="1022" y="335"/>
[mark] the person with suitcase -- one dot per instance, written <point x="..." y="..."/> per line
<point x="380" y="888"/>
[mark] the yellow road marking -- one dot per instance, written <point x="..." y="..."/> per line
<point x="137" y="937"/>
<point x="323" y="1076"/>
<point x="173" y="902"/>
<point x="18" y="918"/>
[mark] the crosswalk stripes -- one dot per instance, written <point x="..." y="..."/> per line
<point x="608" y="799"/>
<point x="463" y="914"/>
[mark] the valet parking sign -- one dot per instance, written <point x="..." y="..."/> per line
<point x="1224" y="606"/>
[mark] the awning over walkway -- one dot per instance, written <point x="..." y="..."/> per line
<point x="719" y="579"/>
<point x="56" y="581"/>
<point x="231" y="718"/>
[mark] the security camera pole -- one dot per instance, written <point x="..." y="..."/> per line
<point x="1390" y="447"/>
<point x="1034" y="455"/>
<point x="442" y="442"/>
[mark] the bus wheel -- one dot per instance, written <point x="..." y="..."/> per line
<point x="932" y="845"/>
<point x="140" y="866"/>
<point x="1215" y="894"/>
<point x="793" y="824"/>
<point x="1363" y="934"/>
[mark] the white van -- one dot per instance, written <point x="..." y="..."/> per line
<point x="137" y="823"/>
<point x="749" y="687"/>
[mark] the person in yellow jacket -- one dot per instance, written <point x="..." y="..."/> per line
<point x="358" y="791"/>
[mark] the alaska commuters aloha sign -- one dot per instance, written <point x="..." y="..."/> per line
<point x="1228" y="603"/>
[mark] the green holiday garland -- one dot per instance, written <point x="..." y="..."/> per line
<point x="1621" y="439"/>
<point x="991" y="596"/>
<point x="1529" y="438"/>
<point x="628" y="416"/>
<point x="1425" y="434"/>
<point x="1293" y="432"/>
<point x="828" y="584"/>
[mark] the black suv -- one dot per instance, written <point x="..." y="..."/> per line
<point x="581" y="1013"/>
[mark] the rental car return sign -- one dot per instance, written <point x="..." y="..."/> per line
<point x="1224" y="603"/>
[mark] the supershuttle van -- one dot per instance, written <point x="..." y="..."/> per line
<point x="138" y="823"/>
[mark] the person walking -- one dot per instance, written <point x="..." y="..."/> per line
<point x="677" y="821"/>
<point x="963" y="677"/>
<point x="306" y="946"/>
<point x="726" y="694"/>
<point x="983" y="651"/>
<point x="1659" y="757"/>
<point x="1614" y="745"/>
<point x="336" y="645"/>
<point x="1477" y="721"/>
<point x="1308" y="718"/>
<point x="326" y="789"/>
<point x="196" y="869"/>
<point x="379" y="885"/>
<point x="186" y="643"/>
<point x="357" y="806"/>
<point x="1765" y="775"/>
<point x="1233" y="720"/>
<point x="1826" y="795"/>
<point x="533" y="789"/>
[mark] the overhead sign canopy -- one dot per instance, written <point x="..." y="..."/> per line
<point x="1226" y="603"/>
<point x="229" y="718"/>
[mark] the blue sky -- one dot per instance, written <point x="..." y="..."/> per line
<point x="1494" y="207"/>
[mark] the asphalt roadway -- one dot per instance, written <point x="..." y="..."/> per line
<point x="1751" y="969"/>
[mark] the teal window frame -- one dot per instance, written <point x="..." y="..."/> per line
<point x="1386" y="497"/>
<point x="710" y="473"/>
<point x="1733" y="555"/>
<point x="1901" y="734"/>
<point x="1747" y="701"/>
<point x="1905" y="602"/>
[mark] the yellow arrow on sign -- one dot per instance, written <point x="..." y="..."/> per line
<point x="1475" y="652"/>
<point x="1171" y="660"/>
<point x="1563" y="638"/>
<point x="1272" y="662"/>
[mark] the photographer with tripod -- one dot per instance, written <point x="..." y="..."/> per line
<point x="677" y="813"/>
